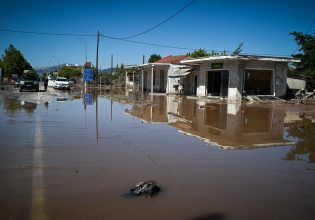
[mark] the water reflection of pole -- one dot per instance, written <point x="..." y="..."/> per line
<point x="111" y="110"/>
<point x="96" y="115"/>
<point x="84" y="106"/>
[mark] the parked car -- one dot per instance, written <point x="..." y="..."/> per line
<point x="61" y="83"/>
<point x="17" y="81"/>
<point x="29" y="82"/>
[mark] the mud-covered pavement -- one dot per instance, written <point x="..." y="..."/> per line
<point x="66" y="155"/>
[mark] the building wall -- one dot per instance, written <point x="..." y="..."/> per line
<point x="237" y="69"/>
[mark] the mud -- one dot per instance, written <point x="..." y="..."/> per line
<point x="75" y="158"/>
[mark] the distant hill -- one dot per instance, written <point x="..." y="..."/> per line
<point x="43" y="70"/>
<point x="105" y="71"/>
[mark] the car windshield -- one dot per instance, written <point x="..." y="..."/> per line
<point x="62" y="79"/>
<point x="29" y="77"/>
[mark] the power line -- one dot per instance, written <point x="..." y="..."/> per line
<point x="47" y="33"/>
<point x="126" y="40"/>
<point x="162" y="45"/>
<point x="159" y="24"/>
<point x="93" y="35"/>
<point x="146" y="43"/>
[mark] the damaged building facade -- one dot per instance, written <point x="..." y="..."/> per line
<point x="236" y="76"/>
<point x="226" y="76"/>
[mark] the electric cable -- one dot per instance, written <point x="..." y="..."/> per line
<point x="155" y="26"/>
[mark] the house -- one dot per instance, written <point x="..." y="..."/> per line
<point x="230" y="76"/>
<point x="233" y="76"/>
<point x="155" y="77"/>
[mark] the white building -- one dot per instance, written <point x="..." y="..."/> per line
<point x="235" y="76"/>
<point x="215" y="76"/>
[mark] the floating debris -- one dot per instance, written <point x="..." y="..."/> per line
<point x="62" y="99"/>
<point x="148" y="188"/>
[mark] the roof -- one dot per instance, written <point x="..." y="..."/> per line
<point x="173" y="59"/>
<point x="240" y="57"/>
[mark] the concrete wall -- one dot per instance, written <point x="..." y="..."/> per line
<point x="236" y="70"/>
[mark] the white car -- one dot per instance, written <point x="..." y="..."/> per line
<point x="61" y="83"/>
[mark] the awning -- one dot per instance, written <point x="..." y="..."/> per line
<point x="180" y="73"/>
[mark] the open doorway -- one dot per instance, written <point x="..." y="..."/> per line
<point x="258" y="82"/>
<point x="162" y="81"/>
<point x="217" y="83"/>
<point x="195" y="85"/>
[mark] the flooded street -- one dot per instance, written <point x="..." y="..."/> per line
<point x="76" y="156"/>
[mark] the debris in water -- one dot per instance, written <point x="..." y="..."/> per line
<point x="61" y="99"/>
<point x="148" y="188"/>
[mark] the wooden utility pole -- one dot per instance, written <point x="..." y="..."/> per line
<point x="111" y="64"/>
<point x="97" y="44"/>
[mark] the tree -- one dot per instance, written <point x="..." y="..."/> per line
<point x="119" y="72"/>
<point x="13" y="62"/>
<point x="304" y="133"/>
<point x="306" y="44"/>
<point x="199" y="53"/>
<point x="238" y="50"/>
<point x="154" y="57"/>
<point x="70" y="72"/>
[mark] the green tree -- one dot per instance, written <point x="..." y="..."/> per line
<point x="13" y="62"/>
<point x="119" y="71"/>
<point x="238" y="50"/>
<point x="199" y="53"/>
<point x="306" y="44"/>
<point x="70" y="72"/>
<point x="154" y="57"/>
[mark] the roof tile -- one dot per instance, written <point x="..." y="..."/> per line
<point x="173" y="59"/>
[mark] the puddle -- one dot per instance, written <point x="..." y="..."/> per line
<point x="81" y="154"/>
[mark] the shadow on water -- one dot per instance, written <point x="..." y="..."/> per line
<point x="305" y="132"/>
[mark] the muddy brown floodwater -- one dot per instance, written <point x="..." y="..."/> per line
<point x="67" y="160"/>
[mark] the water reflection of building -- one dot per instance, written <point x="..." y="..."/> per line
<point x="227" y="125"/>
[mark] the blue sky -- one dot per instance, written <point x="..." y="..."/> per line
<point x="263" y="27"/>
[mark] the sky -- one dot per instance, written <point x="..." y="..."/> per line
<point x="262" y="26"/>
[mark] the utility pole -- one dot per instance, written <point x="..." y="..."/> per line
<point x="97" y="44"/>
<point x="111" y="64"/>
